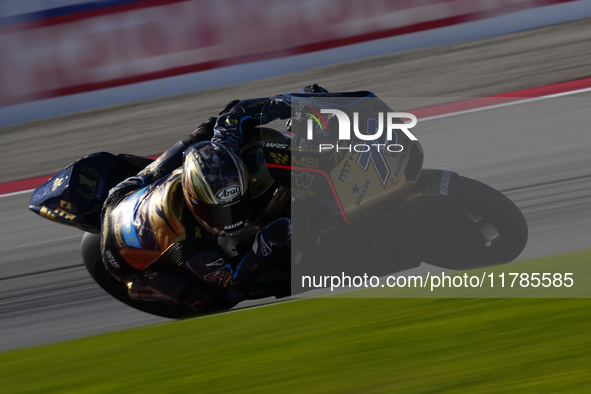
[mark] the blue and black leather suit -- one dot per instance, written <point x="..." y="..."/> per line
<point x="150" y="237"/>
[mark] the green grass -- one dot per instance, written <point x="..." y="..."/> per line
<point x="577" y="264"/>
<point x="331" y="346"/>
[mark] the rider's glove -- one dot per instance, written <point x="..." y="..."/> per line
<point x="206" y="128"/>
<point x="314" y="89"/>
<point x="273" y="238"/>
<point x="212" y="268"/>
<point x="228" y="107"/>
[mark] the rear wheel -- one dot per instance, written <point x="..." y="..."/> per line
<point x="477" y="226"/>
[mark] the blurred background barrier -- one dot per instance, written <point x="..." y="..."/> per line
<point x="153" y="48"/>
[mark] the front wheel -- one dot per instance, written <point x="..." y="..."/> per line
<point x="91" y="255"/>
<point x="476" y="226"/>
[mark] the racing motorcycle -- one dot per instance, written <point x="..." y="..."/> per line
<point x="360" y="205"/>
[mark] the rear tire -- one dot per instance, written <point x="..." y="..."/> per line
<point x="476" y="226"/>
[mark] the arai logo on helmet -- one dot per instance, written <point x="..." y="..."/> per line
<point x="228" y="193"/>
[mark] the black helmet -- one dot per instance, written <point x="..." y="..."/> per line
<point x="215" y="185"/>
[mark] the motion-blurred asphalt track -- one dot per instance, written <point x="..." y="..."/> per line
<point x="536" y="152"/>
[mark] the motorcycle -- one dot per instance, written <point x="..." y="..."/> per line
<point x="353" y="208"/>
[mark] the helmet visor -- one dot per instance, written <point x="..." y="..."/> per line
<point x="225" y="220"/>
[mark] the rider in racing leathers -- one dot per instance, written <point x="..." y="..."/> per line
<point x="150" y="237"/>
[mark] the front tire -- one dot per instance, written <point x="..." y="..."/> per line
<point x="91" y="255"/>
